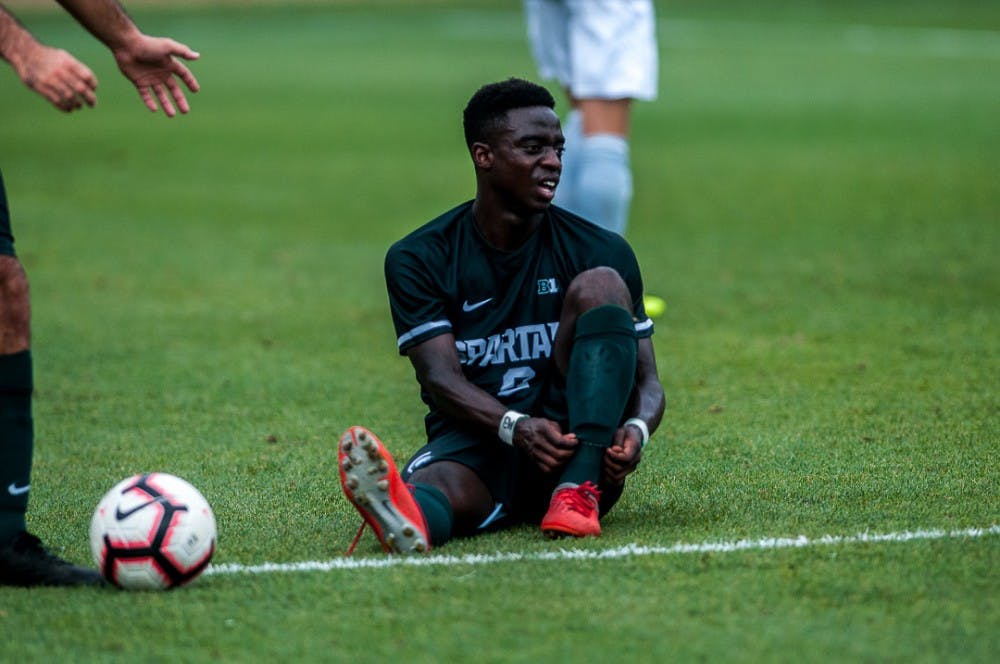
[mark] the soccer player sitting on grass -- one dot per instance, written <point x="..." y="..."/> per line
<point x="526" y="328"/>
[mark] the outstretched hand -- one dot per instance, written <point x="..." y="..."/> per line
<point x="59" y="77"/>
<point x="152" y="64"/>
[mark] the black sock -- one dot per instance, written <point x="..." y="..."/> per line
<point x="598" y="386"/>
<point x="437" y="512"/>
<point x="16" y="441"/>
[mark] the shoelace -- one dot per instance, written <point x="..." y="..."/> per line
<point x="584" y="498"/>
<point x="357" y="538"/>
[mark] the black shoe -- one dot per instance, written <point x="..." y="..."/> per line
<point x="25" y="562"/>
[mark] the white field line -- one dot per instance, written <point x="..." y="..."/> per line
<point x="629" y="550"/>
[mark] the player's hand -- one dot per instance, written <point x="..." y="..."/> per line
<point x="152" y="64"/>
<point x="66" y="82"/>
<point x="545" y="442"/>
<point x="623" y="457"/>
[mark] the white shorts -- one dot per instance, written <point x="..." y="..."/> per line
<point x="596" y="49"/>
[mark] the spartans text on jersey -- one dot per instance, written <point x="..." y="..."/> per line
<point x="520" y="344"/>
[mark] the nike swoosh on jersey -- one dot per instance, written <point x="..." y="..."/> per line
<point x="472" y="307"/>
<point x="16" y="490"/>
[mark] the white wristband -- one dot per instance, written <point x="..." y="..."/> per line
<point x="507" y="424"/>
<point x="641" y="426"/>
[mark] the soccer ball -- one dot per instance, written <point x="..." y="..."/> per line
<point x="152" y="531"/>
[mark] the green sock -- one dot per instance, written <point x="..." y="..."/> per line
<point x="437" y="512"/>
<point x="16" y="441"/>
<point x="598" y="386"/>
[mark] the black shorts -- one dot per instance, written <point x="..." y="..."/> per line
<point x="521" y="491"/>
<point x="6" y="235"/>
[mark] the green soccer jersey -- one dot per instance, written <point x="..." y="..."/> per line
<point x="502" y="307"/>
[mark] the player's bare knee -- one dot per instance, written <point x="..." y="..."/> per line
<point x="596" y="287"/>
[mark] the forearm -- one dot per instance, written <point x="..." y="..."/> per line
<point x="15" y="40"/>
<point x="105" y="19"/>
<point x="455" y="396"/>
<point x="437" y="367"/>
<point x="647" y="402"/>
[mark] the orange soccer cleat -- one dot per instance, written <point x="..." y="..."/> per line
<point x="574" y="512"/>
<point x="373" y="485"/>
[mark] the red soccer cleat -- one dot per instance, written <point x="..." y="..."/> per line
<point x="373" y="485"/>
<point x="574" y="512"/>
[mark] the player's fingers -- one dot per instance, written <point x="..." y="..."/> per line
<point x="617" y="472"/>
<point x="50" y="93"/>
<point x="611" y="471"/>
<point x="545" y="459"/>
<point x="89" y="97"/>
<point x="561" y="457"/>
<point x="564" y="442"/>
<point x="82" y="90"/>
<point x="616" y="454"/>
<point x="168" y="106"/>
<point x="548" y="464"/>
<point x="178" y="94"/>
<point x="84" y="94"/>
<point x="64" y="96"/>
<point x="83" y="75"/>
<point x="623" y="455"/>
<point x="147" y="98"/>
<point x="545" y="432"/>
<point x="70" y="103"/>
<point x="182" y="72"/>
<point x="182" y="50"/>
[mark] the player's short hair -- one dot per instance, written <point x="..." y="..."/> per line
<point x="486" y="112"/>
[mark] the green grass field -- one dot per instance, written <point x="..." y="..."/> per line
<point x="817" y="199"/>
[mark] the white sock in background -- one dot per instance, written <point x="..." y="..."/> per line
<point x="602" y="182"/>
